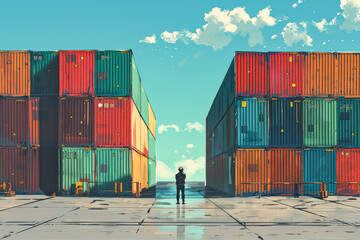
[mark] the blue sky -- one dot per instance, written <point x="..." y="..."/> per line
<point x="182" y="48"/>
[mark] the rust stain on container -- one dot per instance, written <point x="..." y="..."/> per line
<point x="348" y="65"/>
<point x="14" y="73"/>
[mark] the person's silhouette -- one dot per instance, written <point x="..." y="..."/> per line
<point x="180" y="185"/>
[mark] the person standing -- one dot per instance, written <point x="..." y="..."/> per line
<point x="180" y="185"/>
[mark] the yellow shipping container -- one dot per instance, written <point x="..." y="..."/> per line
<point x="152" y="121"/>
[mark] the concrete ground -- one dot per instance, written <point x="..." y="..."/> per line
<point x="41" y="217"/>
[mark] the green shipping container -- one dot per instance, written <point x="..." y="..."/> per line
<point x="320" y="122"/>
<point x="144" y="111"/>
<point x="152" y="172"/>
<point x="113" y="165"/>
<point x="349" y="122"/>
<point x="44" y="73"/>
<point x="152" y="146"/>
<point x="76" y="165"/>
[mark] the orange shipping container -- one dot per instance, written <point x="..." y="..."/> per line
<point x="15" y="73"/>
<point x="349" y="74"/>
<point x="320" y="75"/>
<point x="285" y="167"/>
<point x="139" y="170"/>
<point x="152" y="121"/>
<point x="251" y="167"/>
<point x="348" y="170"/>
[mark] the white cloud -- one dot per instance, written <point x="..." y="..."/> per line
<point x="163" y="171"/>
<point x="324" y="43"/>
<point x="351" y="13"/>
<point x="222" y="25"/>
<point x="321" y="26"/>
<point x="165" y="128"/>
<point x="274" y="36"/>
<point x="297" y="3"/>
<point x="294" y="34"/>
<point x="194" y="126"/>
<point x="150" y="40"/>
<point x="190" y="145"/>
<point x="191" y="166"/>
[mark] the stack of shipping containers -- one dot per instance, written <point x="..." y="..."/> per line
<point x="285" y="118"/>
<point x="74" y="116"/>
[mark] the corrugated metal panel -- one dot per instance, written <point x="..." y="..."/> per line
<point x="152" y="146"/>
<point x="76" y="121"/>
<point x="285" y="166"/>
<point x="45" y="73"/>
<point x="113" y="122"/>
<point x="210" y="173"/>
<point x="144" y="147"/>
<point x="218" y="140"/>
<point x="251" y="74"/>
<point x="251" y="167"/>
<point x="49" y="170"/>
<point x="113" y="165"/>
<point x="77" y="70"/>
<point x="319" y="165"/>
<point x="320" y="122"/>
<point x="15" y="125"/>
<point x="135" y="128"/>
<point x="76" y="165"/>
<point x="286" y="122"/>
<point x="144" y="112"/>
<point x="349" y="74"/>
<point x="252" y="122"/>
<point x="135" y="84"/>
<point x="112" y="73"/>
<point x="229" y="129"/>
<point x="286" y="74"/>
<point x="20" y="167"/>
<point x="349" y="118"/>
<point x="348" y="170"/>
<point x="219" y="172"/>
<point x="139" y="170"/>
<point x="320" y="75"/>
<point x="49" y="121"/>
<point x="15" y="73"/>
<point x="152" y="172"/>
<point x="152" y="121"/>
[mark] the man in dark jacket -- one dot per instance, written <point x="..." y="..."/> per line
<point x="180" y="185"/>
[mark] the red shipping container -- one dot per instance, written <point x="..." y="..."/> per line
<point x="286" y="166"/>
<point x="20" y="167"/>
<point x="348" y="170"/>
<point x="19" y="117"/>
<point x="76" y="122"/>
<point x="286" y="74"/>
<point x="251" y="74"/>
<point x="77" y="71"/>
<point x="113" y="122"/>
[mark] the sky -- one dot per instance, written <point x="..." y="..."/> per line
<point x="182" y="48"/>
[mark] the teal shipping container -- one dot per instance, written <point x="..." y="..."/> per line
<point x="319" y="165"/>
<point x="349" y="122"/>
<point x="217" y="137"/>
<point x="76" y="165"/>
<point x="152" y="172"/>
<point x="144" y="111"/>
<point x="320" y="122"/>
<point x="229" y="129"/>
<point x="44" y="73"/>
<point x="152" y="146"/>
<point x="113" y="165"/>
<point x="252" y="122"/>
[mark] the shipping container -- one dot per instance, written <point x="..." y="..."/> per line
<point x="219" y="172"/>
<point x="144" y="111"/>
<point x="76" y="122"/>
<point x="251" y="74"/>
<point x="286" y="122"/>
<point x="229" y="129"/>
<point x="252" y="122"/>
<point x="218" y="140"/>
<point x="210" y="173"/>
<point x="348" y="74"/>
<point x="139" y="171"/>
<point x="113" y="122"/>
<point x="152" y="172"/>
<point x="44" y="73"/>
<point x="20" y="167"/>
<point x="19" y="121"/>
<point x="348" y="171"/>
<point x="152" y="121"/>
<point x="348" y="111"/>
<point x="286" y="74"/>
<point x="319" y="165"/>
<point x="320" y="122"/>
<point x="320" y="75"/>
<point x="76" y="165"/>
<point x="135" y="84"/>
<point x="49" y="170"/>
<point x="77" y="70"/>
<point x="113" y="165"/>
<point x="113" y="73"/>
<point x="251" y="168"/>
<point x="48" y="121"/>
<point x="285" y="166"/>
<point x="144" y="131"/>
<point x="152" y="146"/>
<point x="14" y="73"/>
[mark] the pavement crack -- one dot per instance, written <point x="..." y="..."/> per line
<point x="38" y="200"/>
